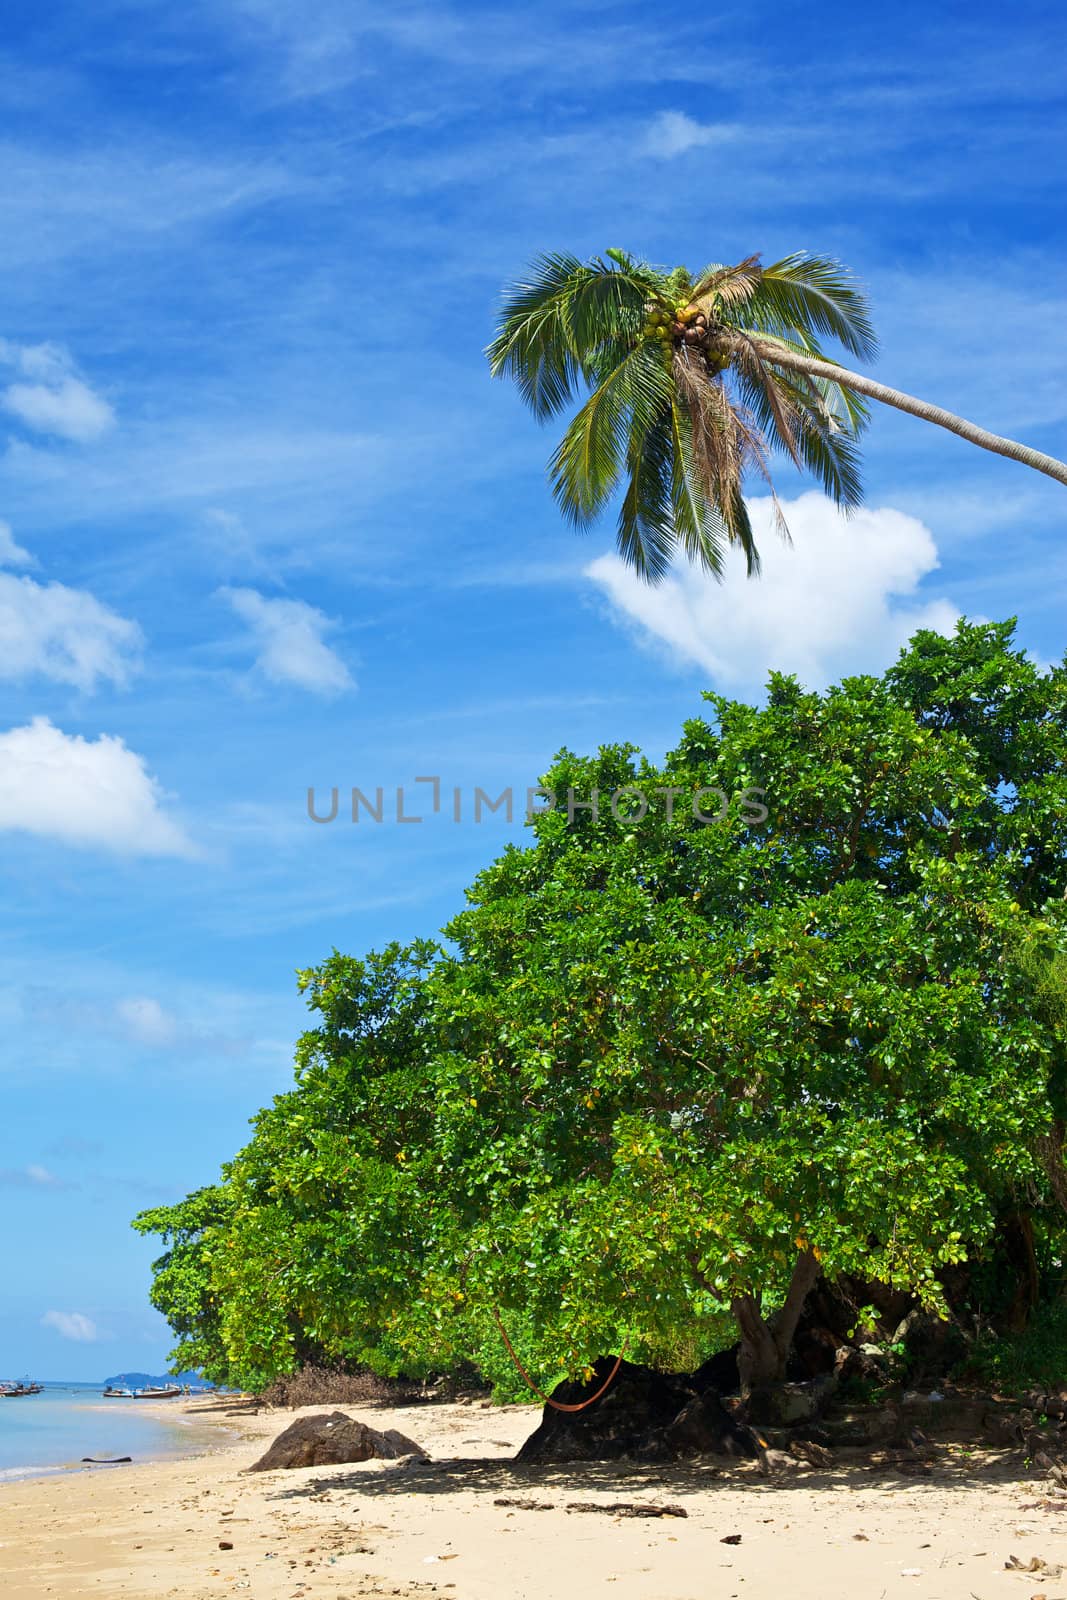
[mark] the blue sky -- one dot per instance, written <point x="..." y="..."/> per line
<point x="268" y="524"/>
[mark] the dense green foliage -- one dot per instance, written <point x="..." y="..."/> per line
<point x="664" y="1066"/>
<point x="182" y="1287"/>
<point x="1035" y="1358"/>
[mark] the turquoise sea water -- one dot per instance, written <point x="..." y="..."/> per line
<point x="52" y="1431"/>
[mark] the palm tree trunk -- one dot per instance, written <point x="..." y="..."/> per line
<point x="775" y="356"/>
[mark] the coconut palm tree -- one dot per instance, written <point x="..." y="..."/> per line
<point x="694" y="383"/>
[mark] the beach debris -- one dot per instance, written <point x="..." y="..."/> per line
<point x="225" y="1544"/>
<point x="816" y="1455"/>
<point x="524" y="1505"/>
<point x="332" y="1438"/>
<point x="1054" y="1470"/>
<point x="911" y="1572"/>
<point x="1051" y="1569"/>
<point x="776" y="1464"/>
<point x="106" y="1461"/>
<point x="628" y="1508"/>
<point x="730" y="1538"/>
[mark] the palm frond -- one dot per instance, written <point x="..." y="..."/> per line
<point x="812" y="294"/>
<point x="737" y="520"/>
<point x="568" y="324"/>
<point x="608" y="309"/>
<point x="586" y="466"/>
<point x="729" y="284"/>
<point x="843" y="408"/>
<point x="847" y="408"/>
<point x="721" y="446"/>
<point x="777" y="411"/>
<point x="698" y="527"/>
<point x="647" y="529"/>
<point x="756" y="457"/>
<point x="715" y="460"/>
<point x="833" y="458"/>
<point x="824" y="446"/>
<point x="533" y="344"/>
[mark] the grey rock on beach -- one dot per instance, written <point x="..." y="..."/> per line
<point x="330" y="1438"/>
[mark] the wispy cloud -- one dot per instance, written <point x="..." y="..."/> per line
<point x="301" y="56"/>
<point x="828" y="603"/>
<point x="12" y="554"/>
<point x="231" y="547"/>
<point x="31" y="1177"/>
<point x="936" y="333"/>
<point x="672" y="133"/>
<point x="92" y="793"/>
<point x="516" y="574"/>
<point x="281" y="471"/>
<point x="147" y="1022"/>
<point x="204" y="1024"/>
<point x="74" y="1325"/>
<point x="289" y="644"/>
<point x="66" y="202"/>
<point x="50" y="396"/>
<point x="67" y="635"/>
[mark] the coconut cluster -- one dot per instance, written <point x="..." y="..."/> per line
<point x="686" y="324"/>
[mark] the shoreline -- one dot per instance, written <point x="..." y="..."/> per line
<point x="170" y="1414"/>
<point x="469" y="1524"/>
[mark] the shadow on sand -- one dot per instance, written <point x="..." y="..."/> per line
<point x="676" y="1481"/>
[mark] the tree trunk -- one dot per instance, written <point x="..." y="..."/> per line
<point x="1049" y="1151"/>
<point x="765" y="1343"/>
<point x="1018" y="1233"/>
<point x="775" y="356"/>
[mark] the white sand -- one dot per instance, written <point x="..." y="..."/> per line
<point x="389" y="1529"/>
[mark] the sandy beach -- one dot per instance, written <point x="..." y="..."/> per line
<point x="202" y="1527"/>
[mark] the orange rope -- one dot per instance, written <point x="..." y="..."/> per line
<point x="557" y="1405"/>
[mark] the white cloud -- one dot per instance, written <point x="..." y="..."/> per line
<point x="289" y="643"/>
<point x="50" y="396"/>
<point x="63" y="634"/>
<point x="197" y="1024"/>
<point x="90" y="793"/>
<point x="825" y="606"/>
<point x="145" y="1021"/>
<point x="30" y="1177"/>
<point x="72" y="1325"/>
<point x="232" y="548"/>
<point x="672" y="133"/>
<point x="12" y="554"/>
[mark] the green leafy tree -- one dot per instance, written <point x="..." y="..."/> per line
<point x="666" y="1071"/>
<point x="324" y="1228"/>
<point x="696" y="381"/>
<point x="182" y="1288"/>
